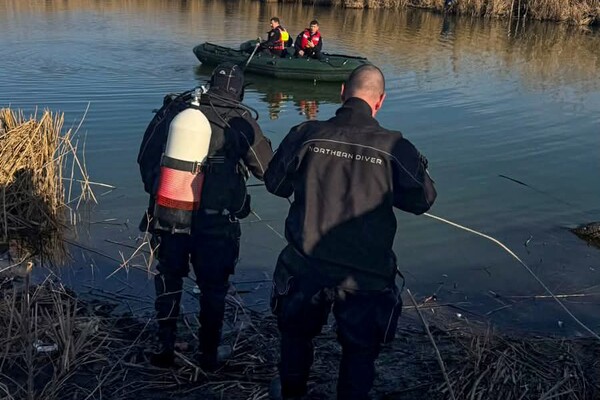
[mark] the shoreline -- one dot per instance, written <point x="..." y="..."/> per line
<point x="579" y="12"/>
<point x="92" y="339"/>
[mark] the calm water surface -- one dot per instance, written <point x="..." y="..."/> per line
<point x="479" y="98"/>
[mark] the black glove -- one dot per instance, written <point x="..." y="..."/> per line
<point x="245" y="210"/>
<point x="423" y="161"/>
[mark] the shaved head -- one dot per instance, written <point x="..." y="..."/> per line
<point x="367" y="83"/>
<point x="366" y="80"/>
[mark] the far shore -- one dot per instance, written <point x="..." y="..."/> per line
<point x="576" y="12"/>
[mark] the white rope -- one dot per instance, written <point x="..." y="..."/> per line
<point x="560" y="303"/>
<point x="503" y="246"/>
<point x="279" y="235"/>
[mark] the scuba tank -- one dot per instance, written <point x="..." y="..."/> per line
<point x="182" y="169"/>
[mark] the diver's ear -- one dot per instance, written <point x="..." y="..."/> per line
<point x="378" y="104"/>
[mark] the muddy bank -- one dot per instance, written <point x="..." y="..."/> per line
<point x="589" y="232"/>
<point x="55" y="343"/>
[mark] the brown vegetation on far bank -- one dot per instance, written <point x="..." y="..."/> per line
<point x="577" y="12"/>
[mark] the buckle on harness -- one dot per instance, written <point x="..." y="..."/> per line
<point x="197" y="168"/>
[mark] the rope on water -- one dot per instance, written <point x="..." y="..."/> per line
<point x="509" y="251"/>
<point x="505" y="248"/>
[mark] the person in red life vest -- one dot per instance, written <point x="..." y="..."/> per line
<point x="309" y="42"/>
<point x="277" y="38"/>
<point x="236" y="148"/>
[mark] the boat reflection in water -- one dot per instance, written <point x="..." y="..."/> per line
<point x="280" y="94"/>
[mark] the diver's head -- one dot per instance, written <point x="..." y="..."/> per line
<point x="228" y="80"/>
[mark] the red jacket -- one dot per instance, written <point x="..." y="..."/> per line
<point x="306" y="36"/>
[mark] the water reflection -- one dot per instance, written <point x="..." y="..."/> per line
<point x="304" y="98"/>
<point x="479" y="97"/>
<point x="448" y="27"/>
<point x="542" y="54"/>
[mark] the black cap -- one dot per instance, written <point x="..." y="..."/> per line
<point x="228" y="79"/>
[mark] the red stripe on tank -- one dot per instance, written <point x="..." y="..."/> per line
<point x="179" y="189"/>
<point x="175" y="204"/>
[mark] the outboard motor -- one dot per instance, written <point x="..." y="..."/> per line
<point x="181" y="169"/>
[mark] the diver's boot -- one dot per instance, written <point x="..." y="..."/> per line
<point x="164" y="356"/>
<point x="212" y="311"/>
<point x="211" y="353"/>
<point x="275" y="391"/>
<point x="168" y="297"/>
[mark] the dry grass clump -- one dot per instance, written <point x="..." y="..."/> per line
<point x="45" y="341"/>
<point x="495" y="367"/>
<point x="33" y="156"/>
<point x="577" y="12"/>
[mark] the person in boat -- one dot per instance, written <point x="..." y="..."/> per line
<point x="277" y="39"/>
<point x="237" y="147"/>
<point x="309" y="42"/>
<point x="346" y="176"/>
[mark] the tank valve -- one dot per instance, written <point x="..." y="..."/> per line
<point x="198" y="92"/>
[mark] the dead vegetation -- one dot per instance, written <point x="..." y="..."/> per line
<point x="56" y="345"/>
<point x="36" y="159"/>
<point x="46" y="338"/>
<point x="539" y="368"/>
<point x="576" y="12"/>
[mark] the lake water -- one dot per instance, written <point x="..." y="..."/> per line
<point x="480" y="98"/>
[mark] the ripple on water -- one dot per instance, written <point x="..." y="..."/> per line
<point x="477" y="101"/>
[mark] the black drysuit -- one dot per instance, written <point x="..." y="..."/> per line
<point x="237" y="145"/>
<point x="346" y="175"/>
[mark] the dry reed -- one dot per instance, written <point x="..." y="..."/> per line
<point x="33" y="199"/>
<point x="576" y="12"/>
<point x="569" y="11"/>
<point x="493" y="367"/>
<point x="101" y="353"/>
<point x="45" y="340"/>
